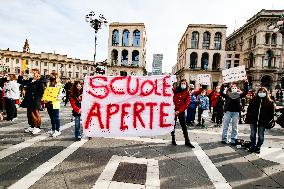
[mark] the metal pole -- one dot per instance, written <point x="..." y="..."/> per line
<point x="95" y="48"/>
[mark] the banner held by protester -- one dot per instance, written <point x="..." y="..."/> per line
<point x="127" y="106"/>
<point x="234" y="74"/>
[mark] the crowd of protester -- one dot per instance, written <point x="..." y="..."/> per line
<point x="226" y="104"/>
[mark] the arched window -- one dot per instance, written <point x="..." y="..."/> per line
<point x="136" y="38"/>
<point x="193" y="60"/>
<point x="124" y="57"/>
<point x="217" y="41"/>
<point x="251" y="60"/>
<point x="114" y="56"/>
<point x="274" y="39"/>
<point x="250" y="42"/>
<point x="194" y="40"/>
<point x="135" y="58"/>
<point x="115" y="38"/>
<point x="206" y="40"/>
<point x="267" y="38"/>
<point x="125" y="38"/>
<point x="216" y="61"/>
<point x="204" y="61"/>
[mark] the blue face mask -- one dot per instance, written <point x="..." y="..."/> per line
<point x="183" y="86"/>
<point x="234" y="90"/>
<point x="261" y="95"/>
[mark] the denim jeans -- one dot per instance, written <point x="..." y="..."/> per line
<point x="253" y="130"/>
<point x="54" y="117"/>
<point x="190" y="115"/>
<point x="228" y="116"/>
<point x="77" y="126"/>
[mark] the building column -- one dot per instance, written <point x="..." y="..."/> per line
<point x="199" y="56"/>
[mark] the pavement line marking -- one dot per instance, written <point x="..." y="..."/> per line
<point x="272" y="154"/>
<point x="15" y="148"/>
<point x="215" y="176"/>
<point x="31" y="178"/>
<point x="152" y="175"/>
<point x="239" y="134"/>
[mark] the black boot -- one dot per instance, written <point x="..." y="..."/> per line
<point x="187" y="143"/>
<point x="173" y="138"/>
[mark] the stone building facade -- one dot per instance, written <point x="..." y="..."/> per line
<point x="201" y="50"/>
<point x="12" y="62"/>
<point x="126" y="49"/>
<point x="157" y="65"/>
<point x="261" y="49"/>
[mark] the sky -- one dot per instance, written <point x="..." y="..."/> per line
<point x="59" y="25"/>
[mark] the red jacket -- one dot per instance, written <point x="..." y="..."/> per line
<point x="181" y="100"/>
<point x="214" y="99"/>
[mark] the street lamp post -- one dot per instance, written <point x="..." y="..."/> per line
<point x="95" y="23"/>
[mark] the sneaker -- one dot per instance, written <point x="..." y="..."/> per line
<point x="78" y="138"/>
<point x="15" y="118"/>
<point x="50" y="132"/>
<point x="29" y="129"/>
<point x="56" y="134"/>
<point x="36" y="131"/>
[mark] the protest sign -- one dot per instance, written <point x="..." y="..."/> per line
<point x="204" y="79"/>
<point x="234" y="74"/>
<point x="50" y="94"/>
<point x="127" y="106"/>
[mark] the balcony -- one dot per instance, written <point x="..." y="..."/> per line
<point x="135" y="63"/>
<point x="124" y="63"/>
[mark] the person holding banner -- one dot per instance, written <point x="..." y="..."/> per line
<point x="191" y="110"/>
<point x="181" y="100"/>
<point x="34" y="92"/>
<point x="232" y="108"/>
<point x="53" y="105"/>
<point x="75" y="100"/>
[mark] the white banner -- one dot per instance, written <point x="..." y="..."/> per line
<point x="204" y="79"/>
<point x="234" y="74"/>
<point x="127" y="106"/>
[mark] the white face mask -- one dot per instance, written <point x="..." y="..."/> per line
<point x="183" y="86"/>
<point x="234" y="90"/>
<point x="261" y="95"/>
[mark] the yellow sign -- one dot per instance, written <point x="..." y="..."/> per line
<point x="50" y="94"/>
<point x="24" y="65"/>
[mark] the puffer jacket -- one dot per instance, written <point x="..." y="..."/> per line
<point x="12" y="90"/>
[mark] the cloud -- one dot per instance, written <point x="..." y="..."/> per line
<point x="59" y="25"/>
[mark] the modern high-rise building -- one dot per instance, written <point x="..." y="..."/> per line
<point x="157" y="64"/>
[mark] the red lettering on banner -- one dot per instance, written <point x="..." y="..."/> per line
<point x="97" y="87"/>
<point x="163" y="114"/>
<point x="166" y="86"/>
<point x="111" y="85"/>
<point x="151" y="105"/>
<point x="156" y="88"/>
<point x="94" y="112"/>
<point x="123" y="126"/>
<point x="128" y="86"/>
<point x="138" y="107"/>
<point x="142" y="93"/>
<point x="110" y="112"/>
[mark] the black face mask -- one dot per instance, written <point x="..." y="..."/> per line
<point x="52" y="79"/>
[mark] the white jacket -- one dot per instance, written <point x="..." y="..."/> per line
<point x="12" y="90"/>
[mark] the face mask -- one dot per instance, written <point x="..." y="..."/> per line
<point x="261" y="95"/>
<point x="31" y="75"/>
<point x="203" y="94"/>
<point x="234" y="90"/>
<point x="183" y="86"/>
<point x="218" y="90"/>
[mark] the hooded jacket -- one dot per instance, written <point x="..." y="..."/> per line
<point x="12" y="90"/>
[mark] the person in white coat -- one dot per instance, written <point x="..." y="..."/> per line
<point x="12" y="93"/>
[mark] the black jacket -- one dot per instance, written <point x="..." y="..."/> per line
<point x="233" y="101"/>
<point x="260" y="116"/>
<point x="34" y="93"/>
